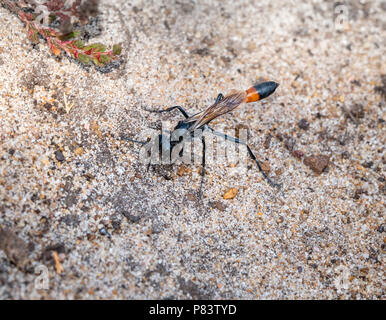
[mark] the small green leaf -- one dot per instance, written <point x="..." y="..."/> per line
<point x="84" y="58"/>
<point x="117" y="49"/>
<point x="33" y="37"/>
<point x="97" y="47"/>
<point x="79" y="44"/>
<point x="104" y="59"/>
<point x="96" y="62"/>
<point x="45" y="32"/>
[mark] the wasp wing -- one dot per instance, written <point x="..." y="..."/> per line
<point x="227" y="104"/>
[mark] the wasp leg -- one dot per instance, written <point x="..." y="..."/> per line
<point x="203" y="165"/>
<point x="171" y="109"/>
<point x="251" y="155"/>
<point x="219" y="98"/>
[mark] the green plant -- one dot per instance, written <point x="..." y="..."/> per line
<point x="59" y="18"/>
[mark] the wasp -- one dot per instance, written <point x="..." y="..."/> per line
<point x="201" y="120"/>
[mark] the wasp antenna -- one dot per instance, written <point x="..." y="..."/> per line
<point x="261" y="91"/>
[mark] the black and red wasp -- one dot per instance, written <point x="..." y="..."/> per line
<point x="201" y="120"/>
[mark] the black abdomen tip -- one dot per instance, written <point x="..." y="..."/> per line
<point x="265" y="89"/>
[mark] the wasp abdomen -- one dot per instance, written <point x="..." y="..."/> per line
<point x="261" y="91"/>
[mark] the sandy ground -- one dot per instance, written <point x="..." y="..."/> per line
<point x="65" y="176"/>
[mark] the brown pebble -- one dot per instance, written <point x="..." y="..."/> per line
<point x="317" y="163"/>
<point x="190" y="197"/>
<point x="265" y="166"/>
<point x="79" y="151"/>
<point x="278" y="172"/>
<point x="14" y="247"/>
<point x="230" y="193"/>
<point x="298" y="154"/>
<point x="91" y="236"/>
<point x="183" y="170"/>
<point x="267" y="142"/>
<point x="217" y="205"/>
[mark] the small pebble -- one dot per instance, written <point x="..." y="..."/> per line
<point x="130" y="217"/>
<point x="368" y="164"/>
<point x="104" y="232"/>
<point x="230" y="193"/>
<point x="267" y="142"/>
<point x="298" y="154"/>
<point x="303" y="124"/>
<point x="265" y="166"/>
<point x="217" y="205"/>
<point x="59" y="156"/>
<point x="15" y="248"/>
<point x="79" y="151"/>
<point x="317" y="163"/>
